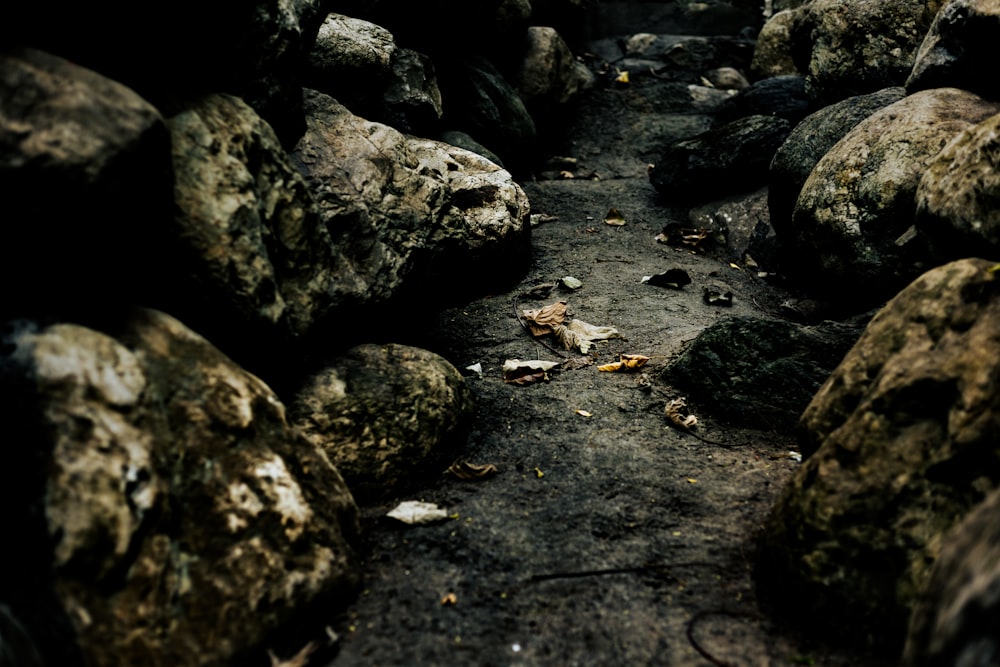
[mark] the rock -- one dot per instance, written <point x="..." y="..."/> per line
<point x="166" y="512"/>
<point x="549" y="75"/>
<point x="953" y="622"/>
<point x="849" y="222"/>
<point x="82" y="158"/>
<point x="957" y="194"/>
<point x="809" y="141"/>
<point x="390" y="417"/>
<point x="407" y="215"/>
<point x="256" y="256"/>
<point x="727" y="78"/>
<point x="463" y="140"/>
<point x="754" y="373"/>
<point x="744" y="223"/>
<point x="412" y="100"/>
<point x="901" y="443"/>
<point x="863" y="46"/>
<point x="479" y="101"/>
<point x="774" y="52"/>
<point x="781" y="96"/>
<point x="721" y="161"/>
<point x="960" y="40"/>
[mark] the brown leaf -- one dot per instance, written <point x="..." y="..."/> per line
<point x="676" y="411"/>
<point x="470" y="471"/>
<point x="540" y="320"/>
<point x="300" y="659"/>
<point x="520" y="372"/>
<point x="626" y="362"/>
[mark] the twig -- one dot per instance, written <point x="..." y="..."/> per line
<point x="635" y="569"/>
<point x="698" y="647"/>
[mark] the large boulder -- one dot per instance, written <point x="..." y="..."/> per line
<point x="850" y="220"/>
<point x="860" y="46"/>
<point x="407" y="215"/>
<point x="390" y="417"/>
<point x="84" y="171"/>
<point x="166" y="512"/>
<point x="809" y="141"/>
<point x="955" y="620"/>
<point x="960" y="41"/>
<point x="901" y="444"/>
<point x="957" y="196"/>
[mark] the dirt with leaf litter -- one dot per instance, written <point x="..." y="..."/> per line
<point x="606" y="535"/>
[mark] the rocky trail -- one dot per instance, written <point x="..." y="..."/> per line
<point x="607" y="534"/>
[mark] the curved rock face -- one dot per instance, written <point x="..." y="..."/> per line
<point x="81" y="159"/>
<point x="171" y="514"/>
<point x="852" y="212"/>
<point x="961" y="39"/>
<point x="956" y="619"/>
<point x="862" y="46"/>
<point x="957" y="197"/>
<point x="390" y="417"/>
<point x="901" y="443"/>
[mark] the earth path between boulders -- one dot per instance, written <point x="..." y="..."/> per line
<point x="607" y="536"/>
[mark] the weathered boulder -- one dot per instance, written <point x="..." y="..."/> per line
<point x="957" y="196"/>
<point x="82" y="159"/>
<point x="860" y="46"/>
<point x="721" y="161"/>
<point x="390" y="417"/>
<point x="166" y="512"/>
<point x="257" y="258"/>
<point x="809" y="141"/>
<point x="407" y="214"/>
<point x="360" y="64"/>
<point x="901" y="444"/>
<point x="774" y="52"/>
<point x="782" y="96"/>
<point x="743" y="222"/>
<point x="549" y="74"/>
<point x="253" y="50"/>
<point x="960" y="41"/>
<point x="756" y="373"/>
<point x="849" y="220"/>
<point x="955" y="619"/>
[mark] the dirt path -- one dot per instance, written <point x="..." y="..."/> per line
<point x="607" y="537"/>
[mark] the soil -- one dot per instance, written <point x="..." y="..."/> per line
<point x="608" y="536"/>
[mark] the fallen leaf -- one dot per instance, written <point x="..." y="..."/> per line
<point x="565" y="174"/>
<point x="579" y="335"/>
<point x="584" y="413"/>
<point x="691" y="237"/>
<point x="622" y="77"/>
<point x="449" y="600"/>
<point x="538" y="473"/>
<point x="471" y="471"/>
<point x="569" y="282"/>
<point x="614" y="218"/>
<point x="673" y="278"/>
<point x="692" y="480"/>
<point x="626" y="362"/>
<point x="676" y="411"/>
<point x="540" y="320"/>
<point x="516" y="371"/>
<point x="417" y="512"/>
<point x="300" y="659"/>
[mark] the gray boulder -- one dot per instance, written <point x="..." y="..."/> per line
<point x="774" y="52"/>
<point x="959" y="43"/>
<point x="166" y="512"/>
<point x="957" y="195"/>
<point x="901" y="444"/>
<point x="390" y="417"/>
<point x="549" y="74"/>
<point x="850" y="220"/>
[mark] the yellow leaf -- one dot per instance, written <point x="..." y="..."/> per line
<point x="614" y="218"/>
<point x="449" y="600"/>
<point x="692" y="480"/>
<point x="612" y="367"/>
<point x="626" y="362"/>
<point x="622" y="77"/>
<point x="539" y="473"/>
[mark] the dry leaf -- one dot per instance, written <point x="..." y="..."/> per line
<point x="579" y="335"/>
<point x="449" y="600"/>
<point x="622" y="77"/>
<point x="471" y="471"/>
<point x="538" y="473"/>
<point x="676" y="411"/>
<point x="516" y="371"/>
<point x="540" y="320"/>
<point x="584" y="413"/>
<point x="300" y="659"/>
<point x="417" y="512"/>
<point x="614" y="218"/>
<point x="626" y="362"/>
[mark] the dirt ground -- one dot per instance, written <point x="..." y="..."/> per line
<point x="607" y="536"/>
